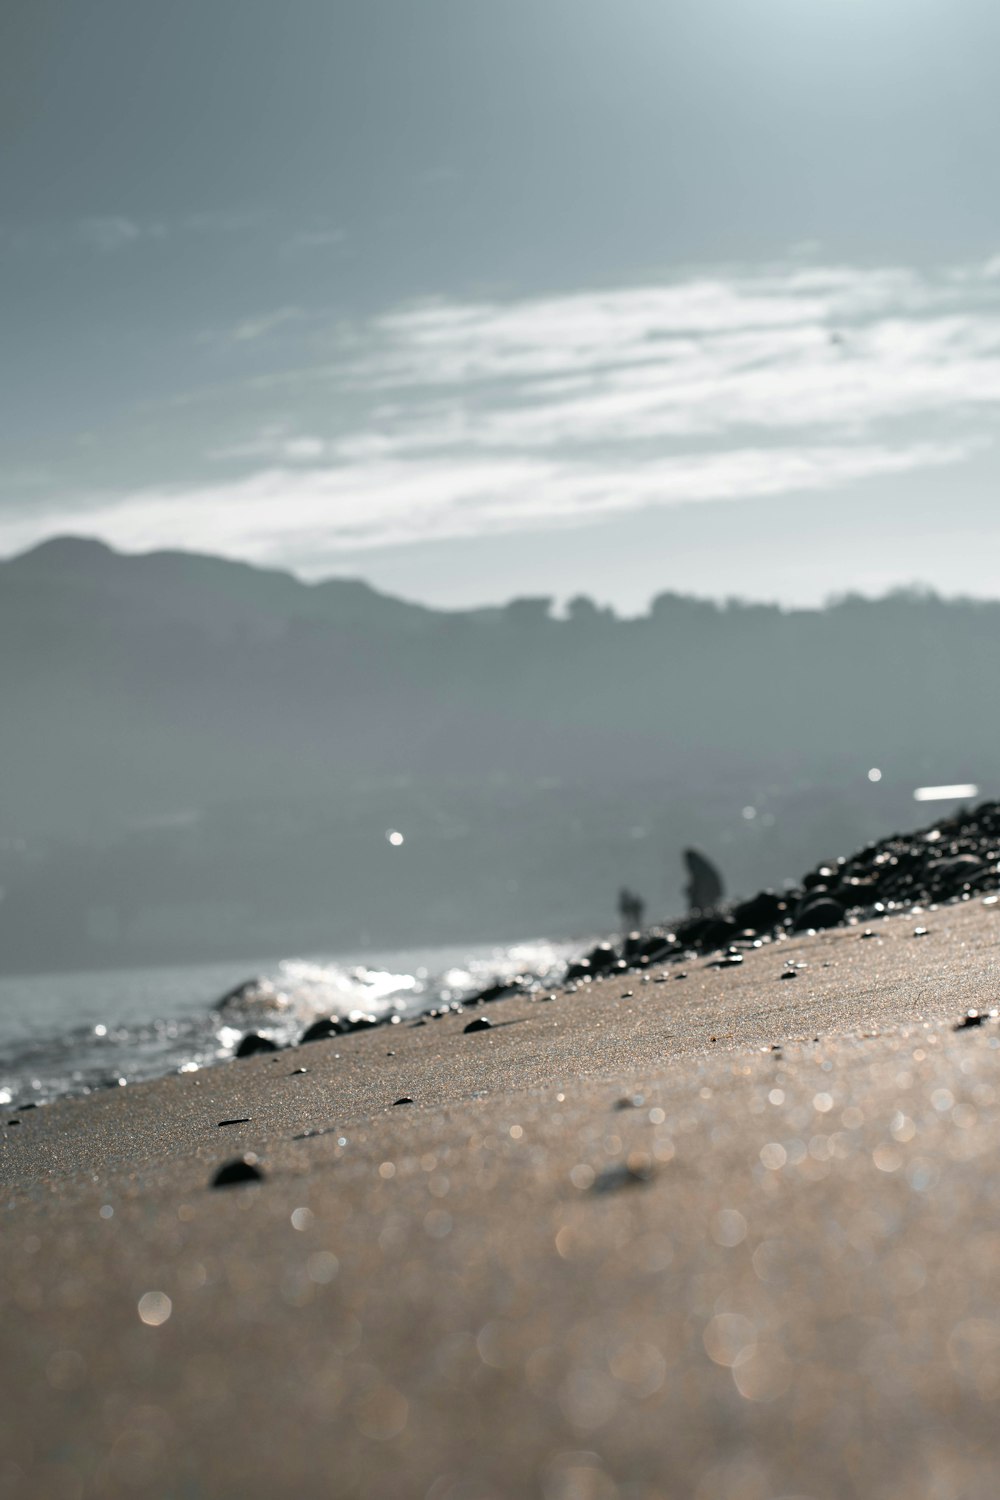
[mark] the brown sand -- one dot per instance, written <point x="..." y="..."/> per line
<point x="618" y="1248"/>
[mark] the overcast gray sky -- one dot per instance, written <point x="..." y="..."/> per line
<point x="477" y="298"/>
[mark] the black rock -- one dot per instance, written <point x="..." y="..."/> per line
<point x="727" y="961"/>
<point x="625" y="1175"/>
<point x="818" y="912"/>
<point x="253" y="1043"/>
<point x="658" y="949"/>
<point x="479" y="1024"/>
<point x="240" y="1169"/>
<point x="358" y="1021"/>
<point x="789" y="974"/>
<point x="602" y="959"/>
<point x="295" y="1072"/>
<point x="499" y="990"/>
<point x="321" y="1029"/>
<point x="960" y="867"/>
<point x="242" y="1120"/>
<point x="405" y="1100"/>
<point x="761" y="912"/>
<point x="30" y="1105"/>
<point x="719" y="932"/>
<point x="971" y="1018"/>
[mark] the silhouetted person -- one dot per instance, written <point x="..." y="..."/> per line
<point x="630" y="908"/>
<point x="704" y="889"/>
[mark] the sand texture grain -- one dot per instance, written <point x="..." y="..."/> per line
<point x="732" y="1237"/>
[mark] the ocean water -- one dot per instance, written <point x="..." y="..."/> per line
<point x="69" y="1034"/>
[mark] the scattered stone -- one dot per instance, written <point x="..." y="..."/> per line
<point x="30" y="1105"/>
<point x="761" y="912"/>
<point x="242" y="1120"/>
<point x="920" y="932"/>
<point x="321" y="1029"/>
<point x="818" y="913"/>
<point x="726" y="961"/>
<point x="970" y="1019"/>
<point x="240" y="1169"/>
<point x="636" y="1172"/>
<point x="253" y="1043"/>
<point x="479" y="1024"/>
<point x="295" y="1071"/>
<point x="789" y="974"/>
<point x="13" y="1122"/>
<point x="358" y="1020"/>
<point x="635" y="1101"/>
<point x="404" y="1100"/>
<point x="500" y="989"/>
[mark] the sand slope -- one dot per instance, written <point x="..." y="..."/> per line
<point x="732" y="1237"/>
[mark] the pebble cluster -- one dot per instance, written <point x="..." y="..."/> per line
<point x="949" y="861"/>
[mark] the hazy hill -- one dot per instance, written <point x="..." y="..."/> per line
<point x="200" y="757"/>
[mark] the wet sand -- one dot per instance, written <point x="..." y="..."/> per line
<point x="732" y="1237"/>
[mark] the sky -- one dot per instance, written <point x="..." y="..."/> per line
<point x="475" y="300"/>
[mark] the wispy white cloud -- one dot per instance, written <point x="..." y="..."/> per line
<point x="455" y="418"/>
<point x="249" y="330"/>
<point x="321" y="511"/>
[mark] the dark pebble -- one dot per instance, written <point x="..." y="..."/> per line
<point x="789" y="974"/>
<point x="13" y="1122"/>
<point x="405" y="1100"/>
<point x="920" y="932"/>
<point x="243" y="1120"/>
<point x="727" y="961"/>
<point x="321" y="1029"/>
<point x="631" y="1174"/>
<point x="295" y="1072"/>
<point x="360" y="1022"/>
<point x="970" y="1019"/>
<point x="761" y="912"/>
<point x="820" y="913"/>
<point x="240" y="1169"/>
<point x="253" y="1043"/>
<point x="479" y="1024"/>
<point x="30" y="1105"/>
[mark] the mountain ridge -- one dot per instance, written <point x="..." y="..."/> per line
<point x="196" y="754"/>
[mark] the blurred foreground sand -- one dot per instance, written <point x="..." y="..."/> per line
<point x="731" y="1237"/>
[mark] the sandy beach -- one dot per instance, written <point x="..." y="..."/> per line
<point x="732" y="1237"/>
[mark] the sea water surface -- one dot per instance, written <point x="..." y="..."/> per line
<point x="69" y="1034"/>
